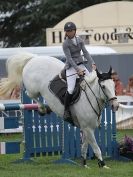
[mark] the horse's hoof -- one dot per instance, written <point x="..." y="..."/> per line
<point x="106" y="167"/>
<point x="42" y="110"/>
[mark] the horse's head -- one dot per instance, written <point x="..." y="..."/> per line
<point x="108" y="88"/>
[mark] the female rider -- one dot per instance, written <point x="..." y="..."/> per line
<point x="74" y="65"/>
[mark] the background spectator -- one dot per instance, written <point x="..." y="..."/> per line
<point x="129" y="88"/>
<point x="119" y="87"/>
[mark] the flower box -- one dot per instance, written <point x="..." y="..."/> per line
<point x="126" y="147"/>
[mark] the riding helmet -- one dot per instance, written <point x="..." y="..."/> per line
<point x="69" y="26"/>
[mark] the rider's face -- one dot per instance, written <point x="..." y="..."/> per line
<point x="70" y="33"/>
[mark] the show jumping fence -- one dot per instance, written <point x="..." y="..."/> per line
<point x="50" y="135"/>
<point x="9" y="147"/>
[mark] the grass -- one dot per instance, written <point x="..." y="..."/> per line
<point x="44" y="166"/>
<point x="10" y="137"/>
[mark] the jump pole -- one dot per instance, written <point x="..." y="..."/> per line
<point x="17" y="106"/>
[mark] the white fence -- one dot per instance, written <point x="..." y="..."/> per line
<point x="124" y="115"/>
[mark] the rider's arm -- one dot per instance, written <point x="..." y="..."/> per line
<point x="68" y="56"/>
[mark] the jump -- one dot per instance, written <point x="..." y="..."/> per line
<point x="36" y="73"/>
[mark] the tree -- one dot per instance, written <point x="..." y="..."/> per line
<point x="20" y="25"/>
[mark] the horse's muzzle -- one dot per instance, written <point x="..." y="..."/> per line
<point x="114" y="104"/>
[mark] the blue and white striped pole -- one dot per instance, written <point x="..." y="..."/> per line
<point x="17" y="106"/>
<point x="8" y="123"/>
<point x="9" y="147"/>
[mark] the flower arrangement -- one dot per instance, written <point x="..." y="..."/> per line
<point x="126" y="145"/>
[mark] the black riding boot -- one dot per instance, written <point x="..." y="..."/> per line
<point x="67" y="112"/>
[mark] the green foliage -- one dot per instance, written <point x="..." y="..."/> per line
<point x="24" y="22"/>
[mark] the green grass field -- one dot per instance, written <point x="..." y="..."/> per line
<point x="44" y="166"/>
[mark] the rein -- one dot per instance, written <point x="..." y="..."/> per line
<point x="60" y="77"/>
<point x="98" y="113"/>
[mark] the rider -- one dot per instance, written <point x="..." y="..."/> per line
<point x="74" y="65"/>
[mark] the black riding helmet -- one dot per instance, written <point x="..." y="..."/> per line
<point x="69" y="26"/>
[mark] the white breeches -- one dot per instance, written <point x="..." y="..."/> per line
<point x="72" y="76"/>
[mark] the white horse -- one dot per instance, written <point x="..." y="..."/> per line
<point x="35" y="72"/>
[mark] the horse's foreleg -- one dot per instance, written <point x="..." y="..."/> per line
<point x="90" y="138"/>
<point x="42" y="108"/>
<point x="96" y="149"/>
<point x="84" y="149"/>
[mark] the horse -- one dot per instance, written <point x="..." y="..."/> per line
<point x="36" y="72"/>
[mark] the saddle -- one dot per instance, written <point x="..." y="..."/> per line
<point x="58" y="87"/>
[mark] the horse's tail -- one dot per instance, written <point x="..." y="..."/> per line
<point x="14" y="68"/>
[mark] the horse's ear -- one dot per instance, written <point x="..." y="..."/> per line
<point x="98" y="74"/>
<point x="110" y="71"/>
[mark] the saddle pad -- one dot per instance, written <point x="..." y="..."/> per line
<point x="59" y="87"/>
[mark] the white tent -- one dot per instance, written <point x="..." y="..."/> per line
<point x="56" y="51"/>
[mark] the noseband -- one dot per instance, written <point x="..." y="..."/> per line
<point x="107" y="100"/>
<point x="111" y="99"/>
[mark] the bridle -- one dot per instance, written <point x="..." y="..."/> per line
<point x="108" y="100"/>
<point x="98" y="113"/>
